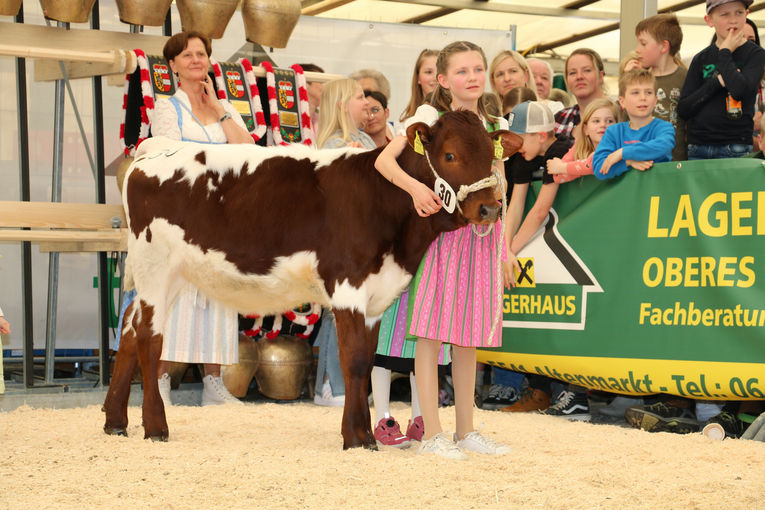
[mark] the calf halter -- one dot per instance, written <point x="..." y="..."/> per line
<point x="487" y="182"/>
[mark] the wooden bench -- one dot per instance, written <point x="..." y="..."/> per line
<point x="65" y="227"/>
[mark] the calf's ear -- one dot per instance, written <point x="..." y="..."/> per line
<point x="418" y="131"/>
<point x="509" y="140"/>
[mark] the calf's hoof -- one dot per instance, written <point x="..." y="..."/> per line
<point x="158" y="439"/>
<point x="115" y="431"/>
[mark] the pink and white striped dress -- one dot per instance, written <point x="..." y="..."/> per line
<point x="455" y="289"/>
<point x="456" y="300"/>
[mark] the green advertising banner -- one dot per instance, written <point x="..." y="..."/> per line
<point x="648" y="283"/>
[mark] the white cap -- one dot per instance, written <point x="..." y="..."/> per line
<point x="531" y="117"/>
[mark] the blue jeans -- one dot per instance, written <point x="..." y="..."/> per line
<point x="506" y="377"/>
<point x="127" y="298"/>
<point x="733" y="150"/>
<point x="329" y="356"/>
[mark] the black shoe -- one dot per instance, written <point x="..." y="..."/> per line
<point x="570" y="405"/>
<point x="499" y="397"/>
<point x="661" y="417"/>
<point x="724" y="425"/>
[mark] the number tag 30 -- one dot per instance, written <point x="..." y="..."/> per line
<point x="446" y="194"/>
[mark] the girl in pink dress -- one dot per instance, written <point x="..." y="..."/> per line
<point x="453" y="296"/>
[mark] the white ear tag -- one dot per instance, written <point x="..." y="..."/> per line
<point x="446" y="194"/>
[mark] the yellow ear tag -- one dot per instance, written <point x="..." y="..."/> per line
<point x="498" y="150"/>
<point x="418" y="148"/>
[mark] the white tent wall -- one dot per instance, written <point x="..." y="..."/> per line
<point x="339" y="46"/>
<point x="344" y="46"/>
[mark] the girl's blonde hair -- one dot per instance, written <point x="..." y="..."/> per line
<point x="334" y="112"/>
<point x="520" y="60"/>
<point x="417" y="98"/>
<point x="442" y="99"/>
<point x="584" y="146"/>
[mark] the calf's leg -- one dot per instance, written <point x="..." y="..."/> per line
<point x="115" y="405"/>
<point x="357" y="345"/>
<point x="149" y="348"/>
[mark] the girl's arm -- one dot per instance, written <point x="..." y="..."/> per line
<point x="425" y="200"/>
<point x="571" y="168"/>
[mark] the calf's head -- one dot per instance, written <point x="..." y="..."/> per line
<point x="458" y="149"/>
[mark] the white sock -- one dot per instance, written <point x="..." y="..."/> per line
<point x="381" y="392"/>
<point x="415" y="399"/>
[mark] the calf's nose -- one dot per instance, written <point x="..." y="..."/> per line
<point x="489" y="212"/>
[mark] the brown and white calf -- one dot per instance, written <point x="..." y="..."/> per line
<point x="264" y="230"/>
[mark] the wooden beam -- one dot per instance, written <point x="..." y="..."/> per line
<point x="36" y="236"/>
<point x="324" y="5"/>
<point x="76" y="44"/>
<point x="50" y="70"/>
<point x="429" y="16"/>
<point x="83" y="246"/>
<point x="59" y="215"/>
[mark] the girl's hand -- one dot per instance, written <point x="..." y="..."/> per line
<point x="425" y="200"/>
<point x="354" y="145"/>
<point x="508" y="267"/>
<point x="556" y="166"/>
<point x="639" y="165"/>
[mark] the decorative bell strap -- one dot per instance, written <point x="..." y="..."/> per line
<point x="255" y="104"/>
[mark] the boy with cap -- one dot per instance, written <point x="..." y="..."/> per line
<point x="535" y="123"/>
<point x="719" y="92"/>
<point x="644" y="139"/>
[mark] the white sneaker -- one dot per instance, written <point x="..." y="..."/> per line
<point x="475" y="442"/>
<point x="441" y="445"/>
<point x="215" y="392"/>
<point x="164" y="389"/>
<point x="326" y="398"/>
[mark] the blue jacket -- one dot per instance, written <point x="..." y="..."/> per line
<point x="653" y="142"/>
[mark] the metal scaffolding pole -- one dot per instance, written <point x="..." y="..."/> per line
<point x="104" y="287"/>
<point x="56" y="187"/>
<point x="25" y="196"/>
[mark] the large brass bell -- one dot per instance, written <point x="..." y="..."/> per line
<point x="207" y="16"/>
<point x="68" y="11"/>
<point x="122" y="170"/>
<point x="270" y="22"/>
<point x="284" y="367"/>
<point x="150" y="13"/>
<point x="237" y="377"/>
<point x="9" y="7"/>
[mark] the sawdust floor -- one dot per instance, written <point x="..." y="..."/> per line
<point x="290" y="456"/>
